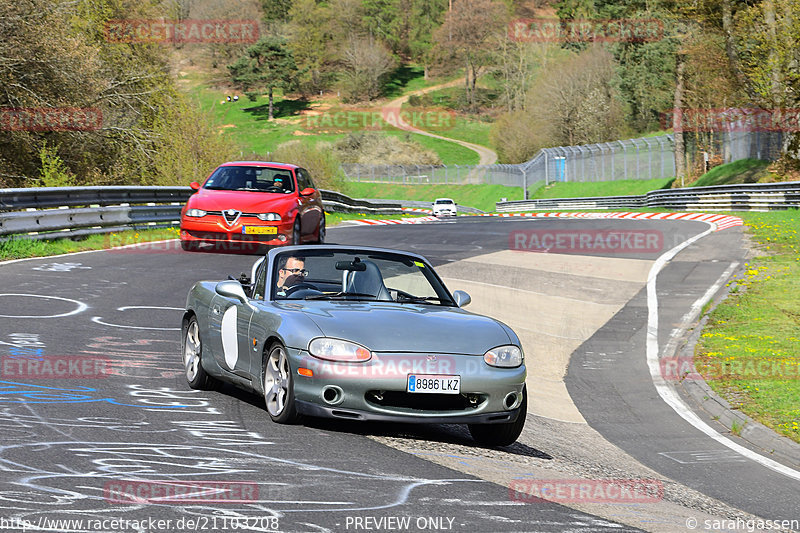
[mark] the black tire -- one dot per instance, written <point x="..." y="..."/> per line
<point x="192" y="348"/>
<point x="188" y="246"/>
<point x="296" y="236"/>
<point x="279" y="386"/>
<point x="501" y="434"/>
<point x="321" y="231"/>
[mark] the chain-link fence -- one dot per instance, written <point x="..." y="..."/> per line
<point x="643" y="158"/>
<point x="708" y="149"/>
<point x="511" y="175"/>
<point x="646" y="158"/>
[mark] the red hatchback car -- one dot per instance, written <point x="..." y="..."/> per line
<point x="247" y="205"/>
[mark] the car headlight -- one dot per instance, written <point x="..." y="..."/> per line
<point x="197" y="213"/>
<point x="274" y="217"/>
<point x="509" y="356"/>
<point x="338" y="350"/>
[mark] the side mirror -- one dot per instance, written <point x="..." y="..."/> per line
<point x="194" y="185"/>
<point x="462" y="298"/>
<point x="232" y="289"/>
<point x="308" y="191"/>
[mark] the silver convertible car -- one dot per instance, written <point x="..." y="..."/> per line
<point x="356" y="333"/>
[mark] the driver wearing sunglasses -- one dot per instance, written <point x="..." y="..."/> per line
<point x="291" y="273"/>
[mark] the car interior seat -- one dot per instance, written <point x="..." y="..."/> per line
<point x="368" y="281"/>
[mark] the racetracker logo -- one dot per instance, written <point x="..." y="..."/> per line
<point x="170" y="491"/>
<point x="56" y="367"/>
<point x="713" y="368"/>
<point x="182" y="31"/>
<point x="336" y="120"/>
<point x="50" y="119"/>
<point x="587" y="241"/>
<point x="384" y="366"/>
<point x="732" y="119"/>
<point x="543" y="30"/>
<point x="586" y="490"/>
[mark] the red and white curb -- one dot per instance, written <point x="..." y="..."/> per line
<point x="371" y="222"/>
<point x="720" y="221"/>
<point x="417" y="210"/>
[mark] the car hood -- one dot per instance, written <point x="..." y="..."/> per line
<point x="389" y="327"/>
<point x="245" y="201"/>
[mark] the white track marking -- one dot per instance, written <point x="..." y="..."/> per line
<point x="666" y="392"/>
<point x="99" y="319"/>
<point x="81" y="306"/>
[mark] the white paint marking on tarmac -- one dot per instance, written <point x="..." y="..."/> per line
<point x="81" y="307"/>
<point x="664" y="390"/>
<point x="125" y="308"/>
<point x="697" y="306"/>
<point x="99" y="319"/>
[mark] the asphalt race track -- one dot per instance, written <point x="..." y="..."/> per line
<point x="69" y="447"/>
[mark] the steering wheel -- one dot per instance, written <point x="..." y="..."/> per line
<point x="299" y="286"/>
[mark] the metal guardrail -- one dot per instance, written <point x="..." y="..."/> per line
<point x="743" y="197"/>
<point x="58" y="212"/>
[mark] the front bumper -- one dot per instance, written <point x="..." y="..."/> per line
<point x="376" y="390"/>
<point x="213" y="230"/>
<point x="313" y="409"/>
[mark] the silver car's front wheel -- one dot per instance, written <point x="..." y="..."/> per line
<point x="196" y="375"/>
<point x="279" y="386"/>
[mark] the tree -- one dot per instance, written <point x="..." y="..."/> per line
<point x="367" y="65"/>
<point x="311" y="40"/>
<point x="577" y="100"/>
<point x="268" y="64"/>
<point x="465" y="37"/>
<point x="426" y="16"/>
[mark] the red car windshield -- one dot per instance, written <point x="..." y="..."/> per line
<point x="249" y="178"/>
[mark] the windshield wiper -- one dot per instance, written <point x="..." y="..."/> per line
<point x="418" y="299"/>
<point x="343" y="294"/>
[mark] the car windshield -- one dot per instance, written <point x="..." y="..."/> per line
<point x="357" y="275"/>
<point x="444" y="202"/>
<point x="251" y="178"/>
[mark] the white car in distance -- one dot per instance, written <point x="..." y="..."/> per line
<point x="444" y="207"/>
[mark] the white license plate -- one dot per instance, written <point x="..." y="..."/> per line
<point x="434" y="384"/>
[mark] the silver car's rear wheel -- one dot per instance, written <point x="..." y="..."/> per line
<point x="279" y="386"/>
<point x="196" y="375"/>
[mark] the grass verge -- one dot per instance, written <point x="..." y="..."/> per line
<point x="748" y="349"/>
<point x="482" y="197"/>
<point x="741" y="171"/>
<point x="600" y="188"/>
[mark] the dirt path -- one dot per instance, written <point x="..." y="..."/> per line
<point x="487" y="155"/>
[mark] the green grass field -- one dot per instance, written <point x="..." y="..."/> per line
<point x="600" y="188"/>
<point x="748" y="349"/>
<point x="482" y="197"/>
<point x="742" y="171"/>
<point x="246" y="123"/>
